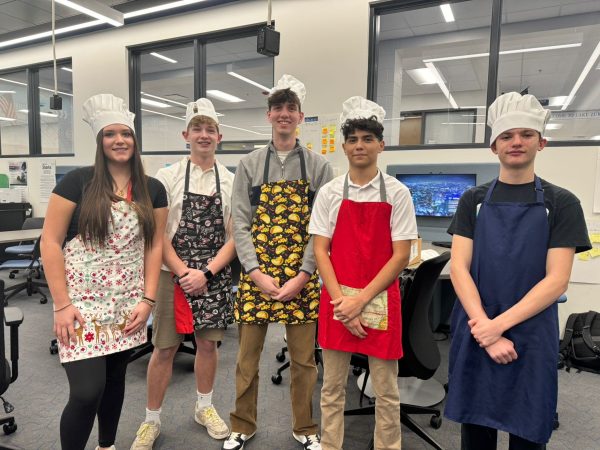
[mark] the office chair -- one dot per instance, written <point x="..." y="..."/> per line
<point x="32" y="265"/>
<point x="421" y="354"/>
<point x="12" y="317"/>
<point x="25" y="248"/>
<point x="277" y="378"/>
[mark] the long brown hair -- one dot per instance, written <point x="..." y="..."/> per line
<point x="98" y="197"/>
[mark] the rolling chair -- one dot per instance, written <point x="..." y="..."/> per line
<point x="32" y="265"/>
<point x="277" y="378"/>
<point x="12" y="317"/>
<point x="25" y="248"/>
<point x="421" y="354"/>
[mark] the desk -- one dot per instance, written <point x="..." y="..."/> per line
<point x="6" y="237"/>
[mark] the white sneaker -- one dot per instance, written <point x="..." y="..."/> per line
<point x="209" y="418"/>
<point x="236" y="441"/>
<point x="145" y="436"/>
<point x="309" y="442"/>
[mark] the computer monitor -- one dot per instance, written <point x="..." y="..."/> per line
<point x="437" y="194"/>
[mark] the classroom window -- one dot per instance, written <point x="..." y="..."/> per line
<point x="552" y="52"/>
<point x="56" y="126"/>
<point x="14" y="129"/>
<point x="425" y="67"/>
<point x="224" y="67"/>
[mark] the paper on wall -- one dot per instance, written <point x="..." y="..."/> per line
<point x="47" y="179"/>
<point x="586" y="267"/>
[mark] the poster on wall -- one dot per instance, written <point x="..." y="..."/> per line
<point x="17" y="174"/>
<point x="597" y="190"/>
<point x="47" y="180"/>
<point x="586" y="266"/>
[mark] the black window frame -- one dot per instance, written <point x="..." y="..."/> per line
<point x="33" y="106"/>
<point x="199" y="42"/>
<point x="376" y="9"/>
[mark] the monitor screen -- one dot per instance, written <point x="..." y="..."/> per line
<point x="436" y="195"/>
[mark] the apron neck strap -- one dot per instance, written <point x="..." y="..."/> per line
<point x="187" y="177"/>
<point x="268" y="159"/>
<point x="382" y="191"/>
<point x="539" y="192"/>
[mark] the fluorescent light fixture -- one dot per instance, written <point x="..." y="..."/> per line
<point x="554" y="126"/>
<point x="248" y="80"/>
<point x="595" y="138"/>
<point x="441" y="84"/>
<point x="8" y="92"/>
<point x="223" y="96"/>
<point x="244" y="129"/>
<point x="147" y="101"/>
<point x="42" y="113"/>
<point x="68" y="69"/>
<point x="557" y="101"/>
<point x="33" y="37"/>
<point x="162" y="114"/>
<point x="7" y="119"/>
<point x="158" y="8"/>
<point x="168" y="100"/>
<point x="584" y="73"/>
<point x="447" y="12"/>
<point x="472" y="107"/>
<point x="422" y="76"/>
<point x="96" y="10"/>
<point x="163" y="57"/>
<point x="463" y="123"/>
<point x="505" y="52"/>
<point x="13" y="82"/>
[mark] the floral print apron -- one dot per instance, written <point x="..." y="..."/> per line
<point x="105" y="283"/>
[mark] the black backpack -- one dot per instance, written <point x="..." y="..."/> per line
<point x="580" y="346"/>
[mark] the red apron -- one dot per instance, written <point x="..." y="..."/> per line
<point x="360" y="246"/>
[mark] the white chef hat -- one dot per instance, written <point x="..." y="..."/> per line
<point x="102" y="110"/>
<point x="201" y="107"/>
<point x="513" y="110"/>
<point x="291" y="82"/>
<point x="358" y="107"/>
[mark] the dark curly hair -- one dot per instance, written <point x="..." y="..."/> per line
<point x="283" y="96"/>
<point x="370" y="125"/>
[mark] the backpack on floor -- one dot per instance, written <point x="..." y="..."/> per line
<point x="580" y="346"/>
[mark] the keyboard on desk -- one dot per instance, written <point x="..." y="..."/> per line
<point x="445" y="244"/>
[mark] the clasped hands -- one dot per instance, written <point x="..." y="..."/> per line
<point x="347" y="310"/>
<point x="269" y="285"/>
<point x="488" y="334"/>
<point x="194" y="282"/>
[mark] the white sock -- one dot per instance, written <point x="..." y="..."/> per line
<point x="153" y="415"/>
<point x="204" y="400"/>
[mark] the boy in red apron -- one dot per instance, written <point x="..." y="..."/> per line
<point x="195" y="283"/>
<point x="512" y="250"/>
<point x="363" y="222"/>
<point x="274" y="188"/>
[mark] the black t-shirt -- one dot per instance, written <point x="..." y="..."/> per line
<point x="565" y="216"/>
<point x="73" y="184"/>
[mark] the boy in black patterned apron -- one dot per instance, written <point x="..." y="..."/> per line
<point x="195" y="283"/>
<point x="274" y="189"/>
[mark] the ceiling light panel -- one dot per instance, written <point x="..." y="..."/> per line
<point x="96" y="10"/>
<point x="447" y="12"/>
<point x="422" y="76"/>
<point x="164" y="58"/>
<point x="156" y="104"/>
<point x="223" y="96"/>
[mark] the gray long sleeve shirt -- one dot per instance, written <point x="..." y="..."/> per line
<point x="249" y="173"/>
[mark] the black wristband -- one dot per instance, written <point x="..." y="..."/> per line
<point x="207" y="273"/>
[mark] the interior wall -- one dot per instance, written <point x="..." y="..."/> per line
<point x="323" y="43"/>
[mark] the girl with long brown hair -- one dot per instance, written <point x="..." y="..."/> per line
<point x="102" y="251"/>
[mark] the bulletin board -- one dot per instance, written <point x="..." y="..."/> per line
<point x="321" y="133"/>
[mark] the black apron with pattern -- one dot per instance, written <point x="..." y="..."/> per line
<point x="199" y="237"/>
<point x="280" y="234"/>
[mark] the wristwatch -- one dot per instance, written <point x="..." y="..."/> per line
<point x="207" y="273"/>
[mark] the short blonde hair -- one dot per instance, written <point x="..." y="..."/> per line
<point x="201" y="120"/>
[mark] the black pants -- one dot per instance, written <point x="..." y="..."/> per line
<point x="478" y="437"/>
<point x="96" y="387"/>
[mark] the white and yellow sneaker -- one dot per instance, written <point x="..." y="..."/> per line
<point x="145" y="436"/>
<point x="209" y="418"/>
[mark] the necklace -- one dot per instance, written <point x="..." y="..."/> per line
<point x="122" y="192"/>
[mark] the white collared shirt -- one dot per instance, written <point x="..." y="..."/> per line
<point x="201" y="182"/>
<point x="403" y="222"/>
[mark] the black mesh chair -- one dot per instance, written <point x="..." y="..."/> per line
<point x="25" y="248"/>
<point x="32" y="266"/>
<point x="421" y="354"/>
<point x="11" y="317"/>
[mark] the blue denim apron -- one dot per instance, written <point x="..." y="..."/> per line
<point x="509" y="258"/>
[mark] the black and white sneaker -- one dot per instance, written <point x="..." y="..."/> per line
<point x="309" y="442"/>
<point x="236" y="441"/>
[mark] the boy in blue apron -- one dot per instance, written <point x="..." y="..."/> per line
<point x="512" y="251"/>
<point x="195" y="284"/>
<point x="274" y="188"/>
<point x="362" y="224"/>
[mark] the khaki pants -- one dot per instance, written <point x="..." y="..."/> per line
<point x="301" y="346"/>
<point x="384" y="377"/>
